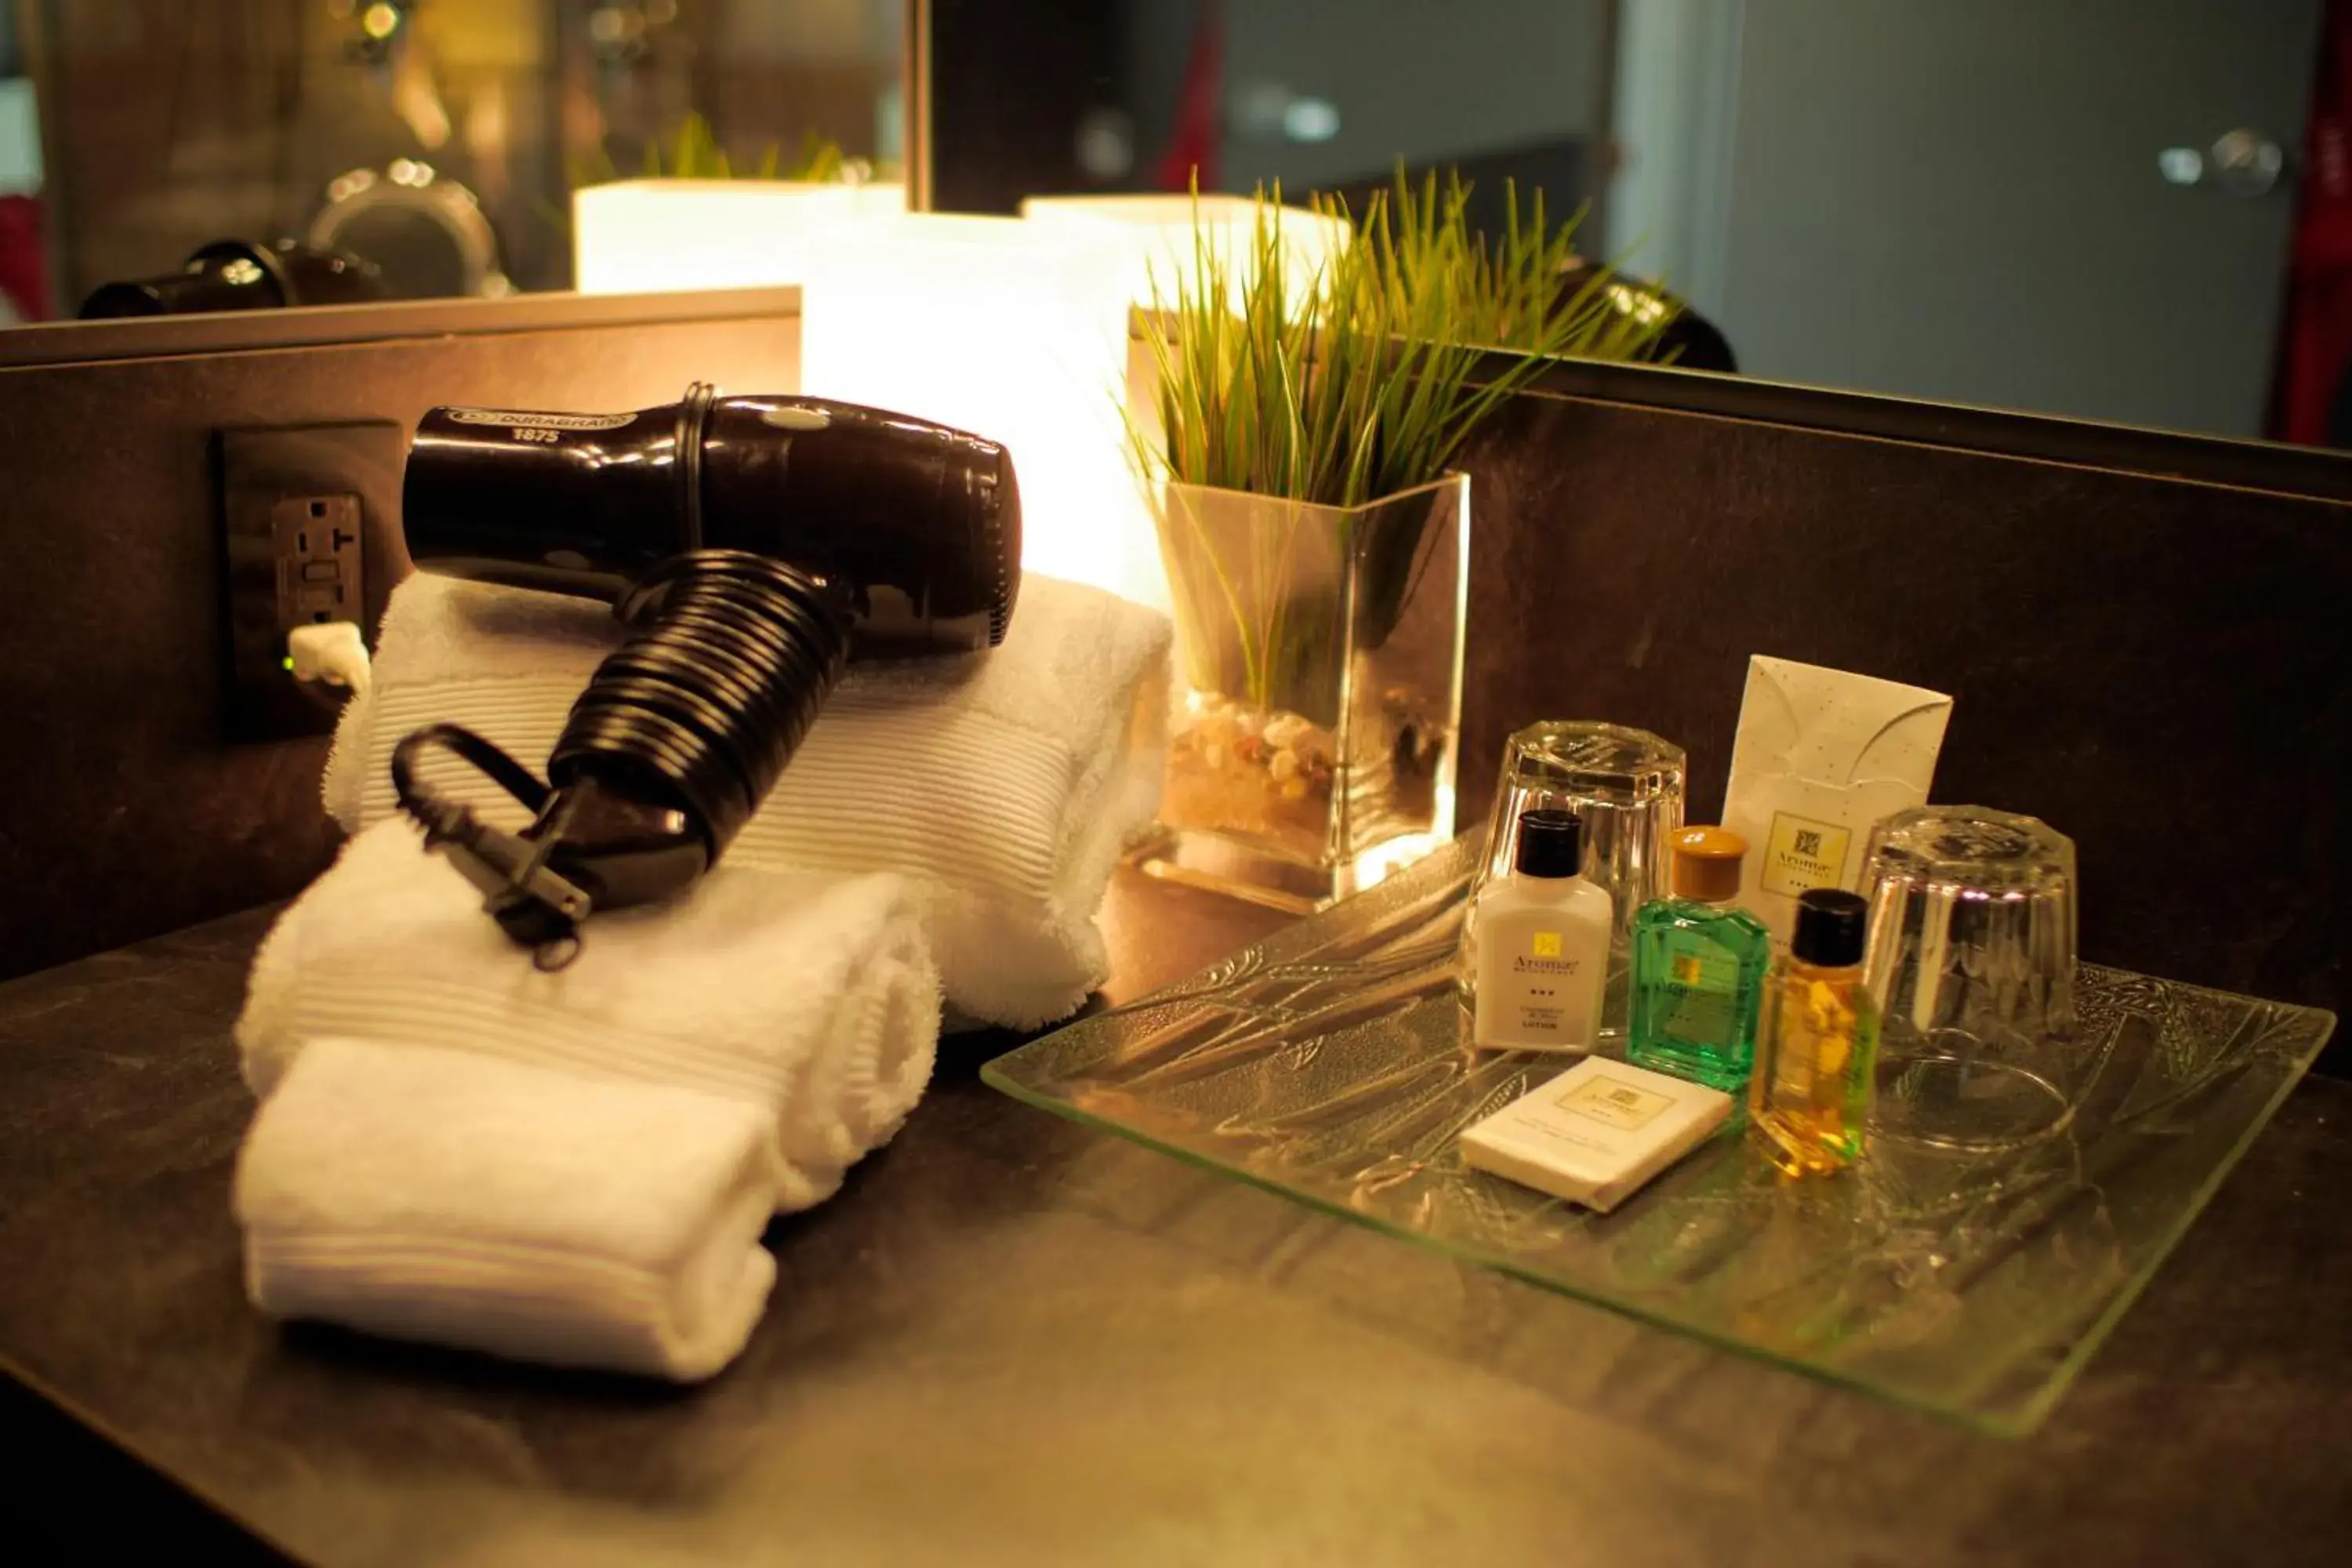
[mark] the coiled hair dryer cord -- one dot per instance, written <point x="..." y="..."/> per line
<point x="673" y="744"/>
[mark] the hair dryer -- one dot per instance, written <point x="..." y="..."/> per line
<point x="238" y="275"/>
<point x="752" y="545"/>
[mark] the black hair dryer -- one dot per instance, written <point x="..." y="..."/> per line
<point x="752" y="545"/>
<point x="238" y="275"/>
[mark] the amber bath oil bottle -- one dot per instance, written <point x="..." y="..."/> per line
<point x="1818" y="1044"/>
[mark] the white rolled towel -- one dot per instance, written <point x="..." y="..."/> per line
<point x="463" y="1199"/>
<point x="814" y="998"/>
<point x="1005" y="783"/>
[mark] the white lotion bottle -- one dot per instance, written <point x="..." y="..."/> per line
<point x="1543" y="944"/>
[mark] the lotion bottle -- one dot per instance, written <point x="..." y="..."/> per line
<point x="1543" y="944"/>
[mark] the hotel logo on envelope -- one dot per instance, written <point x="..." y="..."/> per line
<point x="1820" y="755"/>
<point x="1801" y="853"/>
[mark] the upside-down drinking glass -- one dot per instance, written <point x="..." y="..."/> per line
<point x="1972" y="958"/>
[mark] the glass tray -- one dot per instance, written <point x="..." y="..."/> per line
<point x="1333" y="1064"/>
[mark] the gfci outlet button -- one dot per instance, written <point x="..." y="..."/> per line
<point x="317" y="540"/>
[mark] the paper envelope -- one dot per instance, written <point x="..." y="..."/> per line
<point x="1821" y="756"/>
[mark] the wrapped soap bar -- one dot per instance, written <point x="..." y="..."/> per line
<point x="1597" y="1132"/>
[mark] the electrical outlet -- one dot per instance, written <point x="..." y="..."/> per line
<point x="317" y="540"/>
<point x="299" y="505"/>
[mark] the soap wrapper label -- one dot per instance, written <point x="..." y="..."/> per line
<point x="1615" y="1102"/>
<point x="1820" y="755"/>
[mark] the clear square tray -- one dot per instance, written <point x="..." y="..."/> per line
<point x="1333" y="1064"/>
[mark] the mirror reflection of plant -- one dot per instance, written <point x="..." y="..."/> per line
<point x="693" y="153"/>
<point x="1358" y="382"/>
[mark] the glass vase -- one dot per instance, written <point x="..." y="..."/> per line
<point x="1318" y="701"/>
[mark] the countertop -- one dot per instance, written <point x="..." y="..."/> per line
<point x="1012" y="1340"/>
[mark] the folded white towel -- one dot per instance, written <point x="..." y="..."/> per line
<point x="1007" y="782"/>
<point x="812" y="997"/>
<point x="453" y="1197"/>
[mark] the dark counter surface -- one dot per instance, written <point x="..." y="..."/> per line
<point x="1012" y="1340"/>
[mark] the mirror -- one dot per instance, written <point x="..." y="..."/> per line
<point x="208" y="154"/>
<point x="2093" y="209"/>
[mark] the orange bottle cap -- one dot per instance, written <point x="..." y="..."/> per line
<point x="1707" y="863"/>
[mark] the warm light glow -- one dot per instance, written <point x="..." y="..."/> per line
<point x="1149" y="243"/>
<point x="654" y="235"/>
<point x="1642" y="305"/>
<point x="1158" y="235"/>
<point x="1385" y="859"/>
<point x="1012" y="331"/>
<point x="380" y="21"/>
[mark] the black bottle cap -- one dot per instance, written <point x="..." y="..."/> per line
<point x="1830" y="923"/>
<point x="1551" y="843"/>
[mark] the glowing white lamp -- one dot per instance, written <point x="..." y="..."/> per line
<point x="1011" y="330"/>
<point x="1163" y="236"/>
<point x="654" y="236"/>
